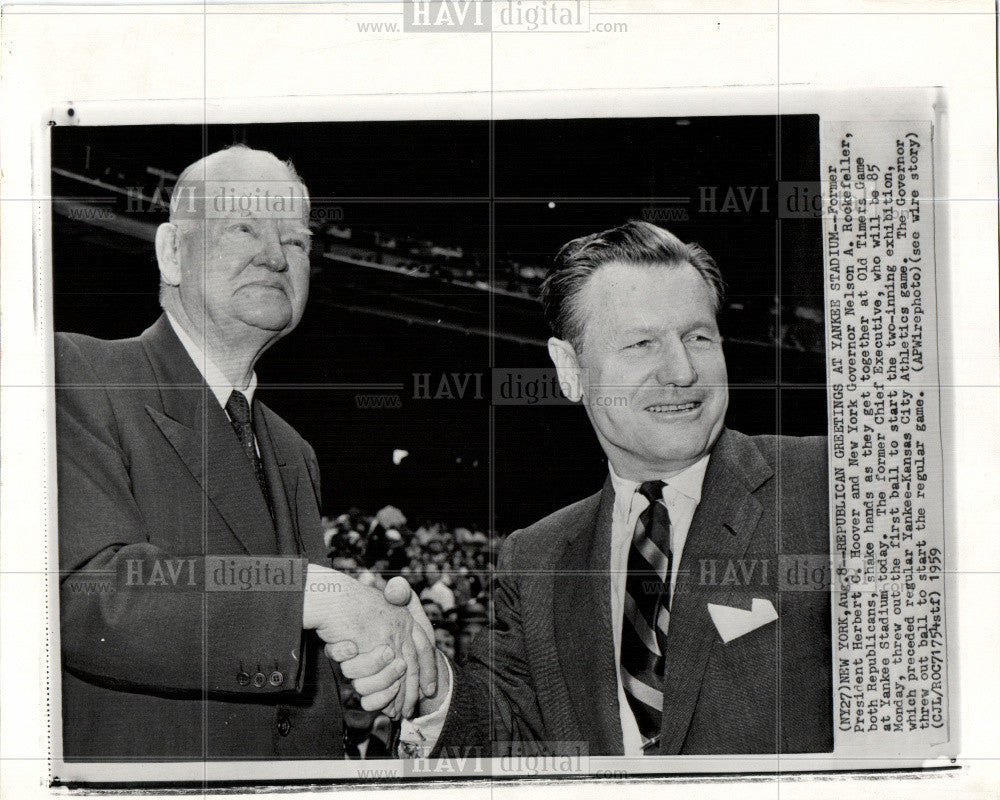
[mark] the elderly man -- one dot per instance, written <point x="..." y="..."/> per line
<point x="650" y="618"/>
<point x="194" y="599"/>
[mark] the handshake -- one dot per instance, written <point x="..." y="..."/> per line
<point x="383" y="641"/>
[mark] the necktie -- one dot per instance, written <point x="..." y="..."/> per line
<point x="239" y="416"/>
<point x="647" y="615"/>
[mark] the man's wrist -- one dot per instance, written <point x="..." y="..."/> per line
<point x="419" y="736"/>
<point x="321" y="584"/>
<point x="428" y="705"/>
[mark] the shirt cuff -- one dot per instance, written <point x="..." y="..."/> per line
<point x="419" y="735"/>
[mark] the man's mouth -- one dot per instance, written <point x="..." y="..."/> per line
<point x="673" y="408"/>
<point x="267" y="285"/>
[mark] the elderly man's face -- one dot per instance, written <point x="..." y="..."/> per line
<point x="248" y="266"/>
<point x="653" y="373"/>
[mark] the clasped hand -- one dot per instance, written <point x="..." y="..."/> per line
<point x="385" y="648"/>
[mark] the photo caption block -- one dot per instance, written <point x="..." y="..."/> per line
<point x="887" y="518"/>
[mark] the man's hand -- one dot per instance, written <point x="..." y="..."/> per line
<point x="399" y="593"/>
<point x="348" y="617"/>
<point x="374" y="671"/>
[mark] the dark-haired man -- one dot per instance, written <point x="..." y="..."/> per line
<point x="649" y="618"/>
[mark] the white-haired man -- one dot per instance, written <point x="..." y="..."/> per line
<point x="202" y="506"/>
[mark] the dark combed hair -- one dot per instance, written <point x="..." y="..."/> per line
<point x="635" y="242"/>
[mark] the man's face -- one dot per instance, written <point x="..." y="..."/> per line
<point x="467" y="635"/>
<point x="445" y="642"/>
<point x="653" y="374"/>
<point x="247" y="269"/>
<point x="433" y="611"/>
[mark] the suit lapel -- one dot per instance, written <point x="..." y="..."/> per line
<point x="199" y="431"/>
<point x="583" y="633"/>
<point x="722" y="528"/>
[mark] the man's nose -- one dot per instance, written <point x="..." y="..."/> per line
<point x="675" y="367"/>
<point x="272" y="255"/>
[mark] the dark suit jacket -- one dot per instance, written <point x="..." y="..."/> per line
<point x="546" y="672"/>
<point x="150" y="469"/>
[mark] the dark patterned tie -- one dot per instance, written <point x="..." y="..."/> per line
<point x="239" y="415"/>
<point x="647" y="615"/>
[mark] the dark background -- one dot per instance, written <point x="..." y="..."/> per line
<point x="547" y="181"/>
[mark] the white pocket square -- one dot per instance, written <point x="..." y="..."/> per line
<point x="735" y="622"/>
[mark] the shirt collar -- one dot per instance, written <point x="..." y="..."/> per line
<point x="215" y="378"/>
<point x="687" y="482"/>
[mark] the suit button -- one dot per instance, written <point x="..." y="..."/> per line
<point x="243" y="679"/>
<point x="276" y="678"/>
<point x="259" y="680"/>
<point x="283" y="726"/>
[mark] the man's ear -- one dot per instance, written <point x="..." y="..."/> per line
<point x="563" y="355"/>
<point x="168" y="253"/>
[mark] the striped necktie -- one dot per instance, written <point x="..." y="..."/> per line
<point x="238" y="409"/>
<point x="647" y="615"/>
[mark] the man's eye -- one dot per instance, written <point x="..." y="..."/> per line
<point x="643" y="343"/>
<point x="701" y="340"/>
<point x="297" y="243"/>
<point x="244" y="227"/>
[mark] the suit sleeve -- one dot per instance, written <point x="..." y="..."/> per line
<point x="494" y="705"/>
<point x="163" y="632"/>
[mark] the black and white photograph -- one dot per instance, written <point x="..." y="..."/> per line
<point x="493" y="438"/>
<point x="381" y="397"/>
<point x="565" y="385"/>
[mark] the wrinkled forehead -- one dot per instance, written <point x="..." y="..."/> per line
<point x="624" y="295"/>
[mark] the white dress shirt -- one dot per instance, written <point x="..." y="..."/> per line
<point x="681" y="495"/>
<point x="217" y="381"/>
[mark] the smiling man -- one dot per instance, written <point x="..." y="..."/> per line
<point x="641" y="347"/>
<point x="195" y="593"/>
<point x="654" y="616"/>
